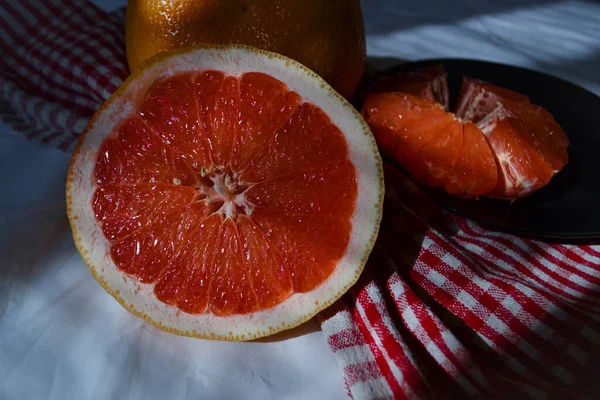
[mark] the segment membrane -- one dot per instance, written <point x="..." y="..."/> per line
<point x="275" y="221"/>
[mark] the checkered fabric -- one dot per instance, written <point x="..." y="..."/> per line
<point x="445" y="308"/>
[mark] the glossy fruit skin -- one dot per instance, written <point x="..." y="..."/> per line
<point x="327" y="36"/>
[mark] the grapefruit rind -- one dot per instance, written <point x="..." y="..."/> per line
<point x="138" y="298"/>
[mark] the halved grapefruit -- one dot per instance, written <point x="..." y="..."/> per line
<point x="225" y="192"/>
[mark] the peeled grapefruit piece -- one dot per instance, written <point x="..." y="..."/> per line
<point x="225" y="193"/>
<point x="430" y="82"/>
<point x="497" y="144"/>
<point x="432" y="145"/>
<point x="529" y="145"/>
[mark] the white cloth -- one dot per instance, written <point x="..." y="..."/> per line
<point x="63" y="337"/>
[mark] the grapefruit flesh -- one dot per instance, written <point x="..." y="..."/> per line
<point x="225" y="202"/>
<point x="429" y="82"/>
<point x="497" y="144"/>
<point x="436" y="148"/>
<point x="529" y="145"/>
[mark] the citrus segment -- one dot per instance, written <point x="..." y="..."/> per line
<point x="185" y="282"/>
<point x="443" y="148"/>
<point x="310" y="245"/>
<point x="539" y="128"/>
<point x="427" y="82"/>
<point x="521" y="169"/>
<point x="231" y="290"/>
<point x="269" y="275"/>
<point x="436" y="148"/>
<point x="170" y="110"/>
<point x="146" y="253"/>
<point x="222" y="121"/>
<point x="135" y="154"/>
<point x="308" y="139"/>
<point x="225" y="188"/>
<point x="478" y="98"/>
<point x="265" y="106"/>
<point x="529" y="146"/>
<point x="475" y="171"/>
<point x="125" y="209"/>
<point x="328" y="190"/>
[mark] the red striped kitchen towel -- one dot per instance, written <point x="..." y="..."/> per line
<point x="60" y="60"/>
<point x="445" y="308"/>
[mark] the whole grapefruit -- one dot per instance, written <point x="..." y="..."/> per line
<point x="327" y="36"/>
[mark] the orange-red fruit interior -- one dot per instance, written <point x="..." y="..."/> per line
<point x="228" y="193"/>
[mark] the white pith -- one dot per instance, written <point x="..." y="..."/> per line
<point x="138" y="297"/>
<point x="514" y="180"/>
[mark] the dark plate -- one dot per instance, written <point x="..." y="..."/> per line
<point x="566" y="208"/>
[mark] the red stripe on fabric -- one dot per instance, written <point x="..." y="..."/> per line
<point x="98" y="34"/>
<point x="502" y="341"/>
<point x="71" y="84"/>
<point x="501" y="280"/>
<point x="384" y="367"/>
<point x="519" y="270"/>
<point x="106" y="23"/>
<point x="493" y="303"/>
<point x="23" y="64"/>
<point x="573" y="258"/>
<point x="15" y="14"/>
<point x="68" y="127"/>
<point x="534" y="261"/>
<point x="392" y="347"/>
<point x="87" y="110"/>
<point x="361" y="372"/>
<point x="487" y="364"/>
<point x="379" y="306"/>
<point x="45" y="89"/>
<point x="571" y="254"/>
<point x="84" y="45"/>
<point x="453" y="364"/>
<point x="324" y="316"/>
<point x="592" y="251"/>
<point x="66" y="50"/>
<point x="12" y="88"/>
<point x="67" y="141"/>
<point x="52" y="135"/>
<point x="344" y="339"/>
<point x="93" y="16"/>
<point x="36" y="110"/>
<point x="9" y="29"/>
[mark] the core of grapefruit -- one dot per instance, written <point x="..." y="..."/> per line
<point x="225" y="192"/>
